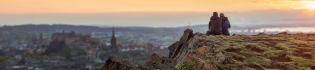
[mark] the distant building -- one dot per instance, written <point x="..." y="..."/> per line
<point x="113" y="42"/>
<point x="37" y="41"/>
<point x="18" y="57"/>
<point x="249" y="30"/>
<point x="71" y="39"/>
<point x="41" y="40"/>
<point x="34" y="39"/>
<point x="100" y="35"/>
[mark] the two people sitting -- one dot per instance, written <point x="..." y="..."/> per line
<point x="219" y="25"/>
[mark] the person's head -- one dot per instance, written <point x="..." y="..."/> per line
<point x="215" y="13"/>
<point x="222" y="15"/>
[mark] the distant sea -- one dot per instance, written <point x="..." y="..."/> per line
<point x="288" y="29"/>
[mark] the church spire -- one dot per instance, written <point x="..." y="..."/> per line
<point x="113" y="41"/>
<point x="41" y="38"/>
<point x="113" y="33"/>
<point x="35" y="39"/>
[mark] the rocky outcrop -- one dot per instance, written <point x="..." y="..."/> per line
<point x="196" y="47"/>
<point x="158" y="61"/>
<point x="116" y="63"/>
<point x="190" y="48"/>
<point x="188" y="33"/>
<point x="175" y="47"/>
<point x="199" y="48"/>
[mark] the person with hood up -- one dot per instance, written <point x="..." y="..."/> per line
<point x="225" y="25"/>
<point x="215" y="25"/>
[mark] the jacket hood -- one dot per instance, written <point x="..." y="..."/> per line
<point x="224" y="18"/>
<point x="214" y="16"/>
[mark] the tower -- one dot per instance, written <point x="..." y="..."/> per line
<point x="113" y="41"/>
<point x="32" y="39"/>
<point x="41" y="38"/>
<point x="35" y="39"/>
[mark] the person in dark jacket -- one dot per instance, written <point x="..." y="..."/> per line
<point x="225" y="25"/>
<point x="215" y="25"/>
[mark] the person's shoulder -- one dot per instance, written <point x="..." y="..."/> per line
<point x="225" y="17"/>
<point x="227" y="21"/>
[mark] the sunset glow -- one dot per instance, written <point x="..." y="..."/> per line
<point x="155" y="13"/>
<point x="311" y="6"/>
<point x="101" y="6"/>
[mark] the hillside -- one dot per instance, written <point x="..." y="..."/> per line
<point x="281" y="51"/>
<point x="263" y="51"/>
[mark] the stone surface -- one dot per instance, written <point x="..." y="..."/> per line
<point x="116" y="63"/>
<point x="188" y="33"/>
<point x="144" y="68"/>
<point x="173" y="49"/>
<point x="183" y="53"/>
<point x="197" y="49"/>
<point x="156" y="60"/>
<point x="198" y="33"/>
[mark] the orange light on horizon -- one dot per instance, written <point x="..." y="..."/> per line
<point x="311" y="6"/>
<point x="307" y="4"/>
<point x="105" y="6"/>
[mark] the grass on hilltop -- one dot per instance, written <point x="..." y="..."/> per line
<point x="269" y="51"/>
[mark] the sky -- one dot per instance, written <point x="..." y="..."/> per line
<point x="158" y="13"/>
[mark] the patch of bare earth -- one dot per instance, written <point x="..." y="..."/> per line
<point x="233" y="50"/>
<point x="313" y="68"/>
<point x="300" y="54"/>
<point x="256" y="67"/>
<point x="275" y="61"/>
<point x="272" y="43"/>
